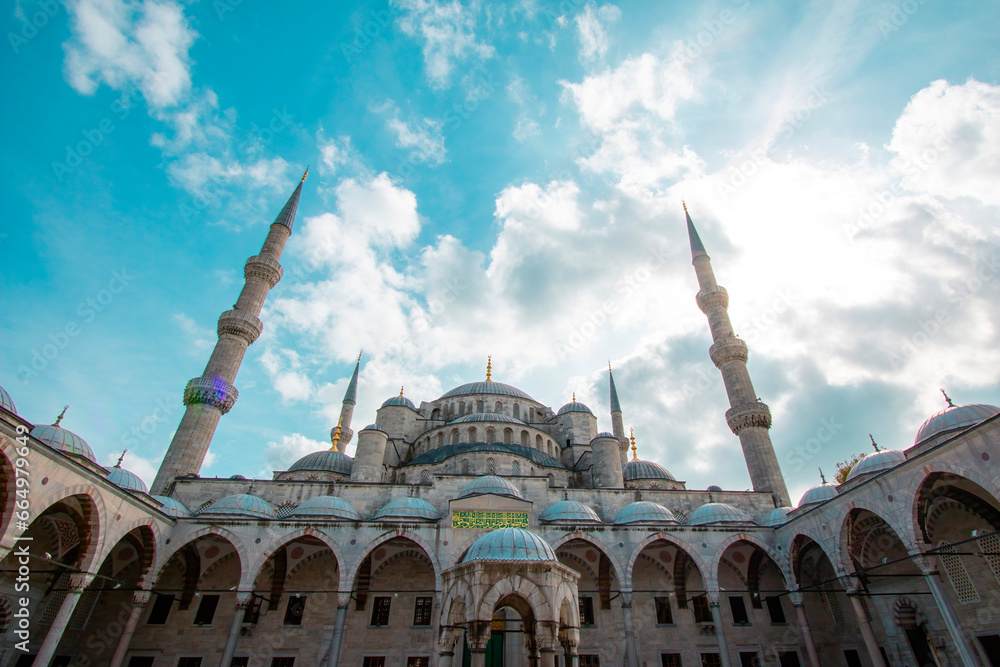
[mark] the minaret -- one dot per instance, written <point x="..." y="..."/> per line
<point x="748" y="417"/>
<point x="347" y="411"/>
<point x="212" y="395"/>
<point x="617" y="427"/>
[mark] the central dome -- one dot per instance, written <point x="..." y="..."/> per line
<point x="497" y="388"/>
<point x="487" y="417"/>
<point x="324" y="461"/>
<point x="510" y="544"/>
<point x="490" y="484"/>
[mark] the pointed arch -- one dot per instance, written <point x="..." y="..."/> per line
<point x="347" y="582"/>
<point x="605" y="549"/>
<point x="515" y="586"/>
<point x="189" y="539"/>
<point x="902" y="531"/>
<point x="91" y="523"/>
<point x="698" y="561"/>
<point x="749" y="538"/>
<point x="971" y="490"/>
<point x="279" y="541"/>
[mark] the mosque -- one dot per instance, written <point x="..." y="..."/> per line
<point x="484" y="528"/>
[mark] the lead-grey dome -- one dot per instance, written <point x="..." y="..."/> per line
<point x="876" y="462"/>
<point x="637" y="469"/>
<point x="327" y="507"/>
<point x="399" y="400"/>
<point x="510" y="544"/>
<point x="6" y="402"/>
<point x="575" y="406"/>
<point x="126" y="479"/>
<point x="644" y="511"/>
<point x="325" y="461"/>
<point x="569" y="510"/>
<point x="487" y="417"/>
<point x="241" y="504"/>
<point x="490" y="484"/>
<point x="172" y="507"/>
<point x="954" y="418"/>
<point x="775" y="517"/>
<point x="411" y="509"/>
<point x="497" y="388"/>
<point x="64" y="440"/>
<point x="818" y="494"/>
<point x="717" y="513"/>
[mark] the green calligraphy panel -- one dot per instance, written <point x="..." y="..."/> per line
<point x="489" y="520"/>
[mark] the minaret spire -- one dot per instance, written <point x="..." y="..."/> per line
<point x="617" y="425"/>
<point x="347" y="410"/>
<point x="212" y="395"/>
<point x="748" y="417"/>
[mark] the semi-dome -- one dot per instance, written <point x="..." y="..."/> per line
<point x="64" y="440"/>
<point x="636" y="469"/>
<point x="325" y="461"/>
<point x="172" y="507"/>
<point x="575" y="406"/>
<point x="510" y="544"/>
<point x="876" y="462"/>
<point x="126" y="479"/>
<point x="399" y="400"/>
<point x="327" y="507"/>
<point x="6" y="402"/>
<point x="717" y="513"/>
<point x="412" y="509"/>
<point x="496" y="388"/>
<point x="241" y="504"/>
<point x="818" y="494"/>
<point x="954" y="418"/>
<point x="490" y="484"/>
<point x="644" y="511"/>
<point x="487" y="417"/>
<point x="569" y="510"/>
<point x="775" y="517"/>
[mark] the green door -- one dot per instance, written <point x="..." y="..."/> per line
<point x="494" y="651"/>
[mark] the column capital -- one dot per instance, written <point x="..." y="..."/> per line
<point x="796" y="598"/>
<point x="243" y="599"/>
<point x="140" y="598"/>
<point x="79" y="581"/>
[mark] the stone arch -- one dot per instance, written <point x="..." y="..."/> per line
<point x="8" y="486"/>
<point x="902" y="532"/>
<point x="907" y="614"/>
<point x="863" y="530"/>
<point x="698" y="561"/>
<point x="508" y="436"/>
<point x="616" y="566"/>
<point x="967" y="490"/>
<point x="455" y="436"/>
<point x="457" y="600"/>
<point x="491" y="435"/>
<point x="569" y="608"/>
<point x="257" y="565"/>
<point x="150" y="540"/>
<point x="515" y="587"/>
<point x="91" y="522"/>
<point x="218" y="531"/>
<point x="473" y="433"/>
<point x="436" y="414"/>
<point x="755" y="541"/>
<point x="524" y="438"/>
<point x="801" y="543"/>
<point x="347" y="582"/>
<point x="418" y="554"/>
<point x="565" y="555"/>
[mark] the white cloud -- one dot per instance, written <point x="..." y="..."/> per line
<point x="281" y="455"/>
<point x="422" y="138"/>
<point x="200" y="338"/>
<point x="208" y="177"/>
<point x="448" y="30"/>
<point x="591" y="26"/>
<point x="145" y="468"/>
<point x="525" y="129"/>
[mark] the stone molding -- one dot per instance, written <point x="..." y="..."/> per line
<point x="240" y="323"/>
<point x="746" y="415"/>
<point x="264" y="267"/>
<point x="716" y="297"/>
<point x="725" y="350"/>
<point x="211" y="391"/>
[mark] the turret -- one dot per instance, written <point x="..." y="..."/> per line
<point x="369" y="455"/>
<point x="748" y="417"/>
<point x="212" y="395"/>
<point x="607" y="470"/>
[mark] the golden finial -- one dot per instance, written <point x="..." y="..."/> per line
<point x="821" y="475"/>
<point x="631" y="436"/>
<point x="359" y="355"/>
<point x="684" y="204"/>
<point x="61" y="415"/>
<point x="336" y="435"/>
<point x="947" y="398"/>
<point x="401" y="392"/>
<point x="609" y="365"/>
<point x="574" y="397"/>
<point x="874" y="444"/>
<point x="489" y="368"/>
<point x="120" y="459"/>
<point x="304" y="175"/>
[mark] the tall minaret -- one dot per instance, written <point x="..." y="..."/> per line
<point x="617" y="427"/>
<point x="748" y="417"/>
<point x="212" y="395"/>
<point x="346" y="412"/>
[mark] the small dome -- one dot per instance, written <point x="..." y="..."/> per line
<point x="818" y="494"/>
<point x="490" y="484"/>
<point x="575" y="406"/>
<point x="486" y="417"/>
<point x="399" y="400"/>
<point x="510" y="544"/>
<point x="413" y="509"/>
<point x="496" y="388"/>
<point x="569" y="510"/>
<point x="636" y="469"/>
<point x="327" y="507"/>
<point x="126" y="480"/>
<point x="604" y="434"/>
<point x="324" y="461"/>
<point x="775" y="517"/>
<point x="237" y="477"/>
<point x="172" y="507"/>
<point x="645" y="512"/>
<point x="876" y="462"/>
<point x="717" y="513"/>
<point x="6" y="402"/>
<point x="714" y="487"/>
<point x="64" y="440"/>
<point x="373" y="427"/>
<point x="954" y="418"/>
<point x="243" y="504"/>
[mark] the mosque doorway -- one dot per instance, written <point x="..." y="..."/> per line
<point x="913" y="623"/>
<point x="508" y="638"/>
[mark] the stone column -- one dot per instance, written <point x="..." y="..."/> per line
<point x="631" y="650"/>
<point x="447" y="639"/>
<point x="139" y="601"/>
<point x="77" y="584"/>
<point x="570" y="639"/>
<point x="242" y="600"/>
<point x="933" y="578"/>
<point x="807" y="635"/>
<point x="720" y="630"/>
<point x="343" y="601"/>
<point x="866" y="628"/>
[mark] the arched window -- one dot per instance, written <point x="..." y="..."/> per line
<point x="425" y="477"/>
<point x="552" y="448"/>
<point x="531" y="416"/>
<point x="498" y="408"/>
<point x="515" y="469"/>
<point x="538" y="442"/>
<point x="436" y="414"/>
<point x="480" y="407"/>
<point x="465" y="466"/>
<point x="957" y="573"/>
<point x="440" y="439"/>
<point x="508" y="436"/>
<point x="517" y="411"/>
<point x="491" y="468"/>
<point x="461" y="408"/>
<point x="402" y="478"/>
<point x="524" y="438"/>
<point x="454" y="436"/>
<point x="472" y="434"/>
<point x="491" y="435"/>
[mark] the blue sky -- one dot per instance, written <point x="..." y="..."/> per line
<point x="505" y="179"/>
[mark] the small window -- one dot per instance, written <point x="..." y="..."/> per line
<point x="422" y="611"/>
<point x="739" y="609"/>
<point x="515" y="469"/>
<point x="141" y="661"/>
<point x="663" y="614"/>
<point x="590" y="661"/>
<point x="161" y="609"/>
<point x="480" y="407"/>
<point x="790" y="659"/>
<point x="776" y="611"/>
<point x="702" y="614"/>
<point x="206" y="610"/>
<point x="380" y="612"/>
<point x="586" y="611"/>
<point x="711" y="660"/>
<point x="61" y="661"/>
<point x="282" y="662"/>
<point x="189" y="662"/>
<point x="670" y="660"/>
<point x="374" y="661"/>
<point x="242" y="661"/>
<point x="296" y="607"/>
<point x="852" y="658"/>
<point x="420" y="661"/>
<point x="749" y="659"/>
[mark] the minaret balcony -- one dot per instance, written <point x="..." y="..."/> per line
<point x="212" y="391"/>
<point x="746" y="415"/>
<point x="725" y="350"/>
<point x="240" y="323"/>
<point x="713" y="297"/>
<point x="264" y="267"/>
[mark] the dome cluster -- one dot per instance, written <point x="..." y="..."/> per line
<point x="952" y="419"/>
<point x="510" y="544"/>
<point x="490" y="484"/>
